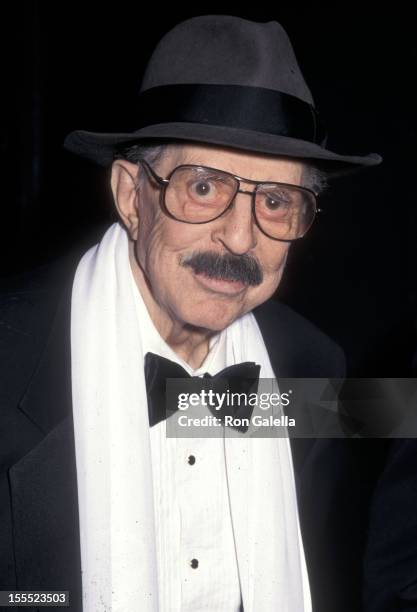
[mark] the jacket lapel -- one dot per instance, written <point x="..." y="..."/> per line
<point x="43" y="482"/>
<point x="279" y="346"/>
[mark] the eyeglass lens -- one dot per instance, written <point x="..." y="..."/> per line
<point x="198" y="195"/>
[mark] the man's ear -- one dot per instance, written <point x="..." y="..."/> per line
<point x="124" y="182"/>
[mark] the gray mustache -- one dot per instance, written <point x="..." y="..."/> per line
<point x="242" y="268"/>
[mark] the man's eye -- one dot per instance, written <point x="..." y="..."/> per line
<point x="274" y="203"/>
<point x="202" y="188"/>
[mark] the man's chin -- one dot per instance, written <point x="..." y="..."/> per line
<point x="212" y="321"/>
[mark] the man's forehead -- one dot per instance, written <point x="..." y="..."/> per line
<point x="241" y="163"/>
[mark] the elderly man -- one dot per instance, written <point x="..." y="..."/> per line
<point x="219" y="179"/>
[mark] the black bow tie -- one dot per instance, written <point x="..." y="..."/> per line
<point x="239" y="378"/>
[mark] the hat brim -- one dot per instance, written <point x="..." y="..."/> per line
<point x="100" y="147"/>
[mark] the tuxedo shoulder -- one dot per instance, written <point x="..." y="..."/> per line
<point x="29" y="297"/>
<point x="308" y="350"/>
<point x="28" y="304"/>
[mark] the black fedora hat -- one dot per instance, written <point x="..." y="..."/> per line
<point x="224" y="80"/>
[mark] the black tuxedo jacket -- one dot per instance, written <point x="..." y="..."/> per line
<point x="355" y="497"/>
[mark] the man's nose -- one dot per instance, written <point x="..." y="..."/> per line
<point x="236" y="229"/>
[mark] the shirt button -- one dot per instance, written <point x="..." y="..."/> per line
<point x="191" y="459"/>
<point x="194" y="563"/>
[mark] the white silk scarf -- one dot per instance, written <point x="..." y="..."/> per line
<point x="113" y="456"/>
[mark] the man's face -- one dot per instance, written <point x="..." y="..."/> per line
<point x="162" y="244"/>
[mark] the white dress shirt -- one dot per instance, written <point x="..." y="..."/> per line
<point x="197" y="564"/>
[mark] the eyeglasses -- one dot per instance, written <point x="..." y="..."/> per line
<point x="200" y="194"/>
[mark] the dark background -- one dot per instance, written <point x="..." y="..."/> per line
<point x="78" y="66"/>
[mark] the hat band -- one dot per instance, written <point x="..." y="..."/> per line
<point x="236" y="106"/>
